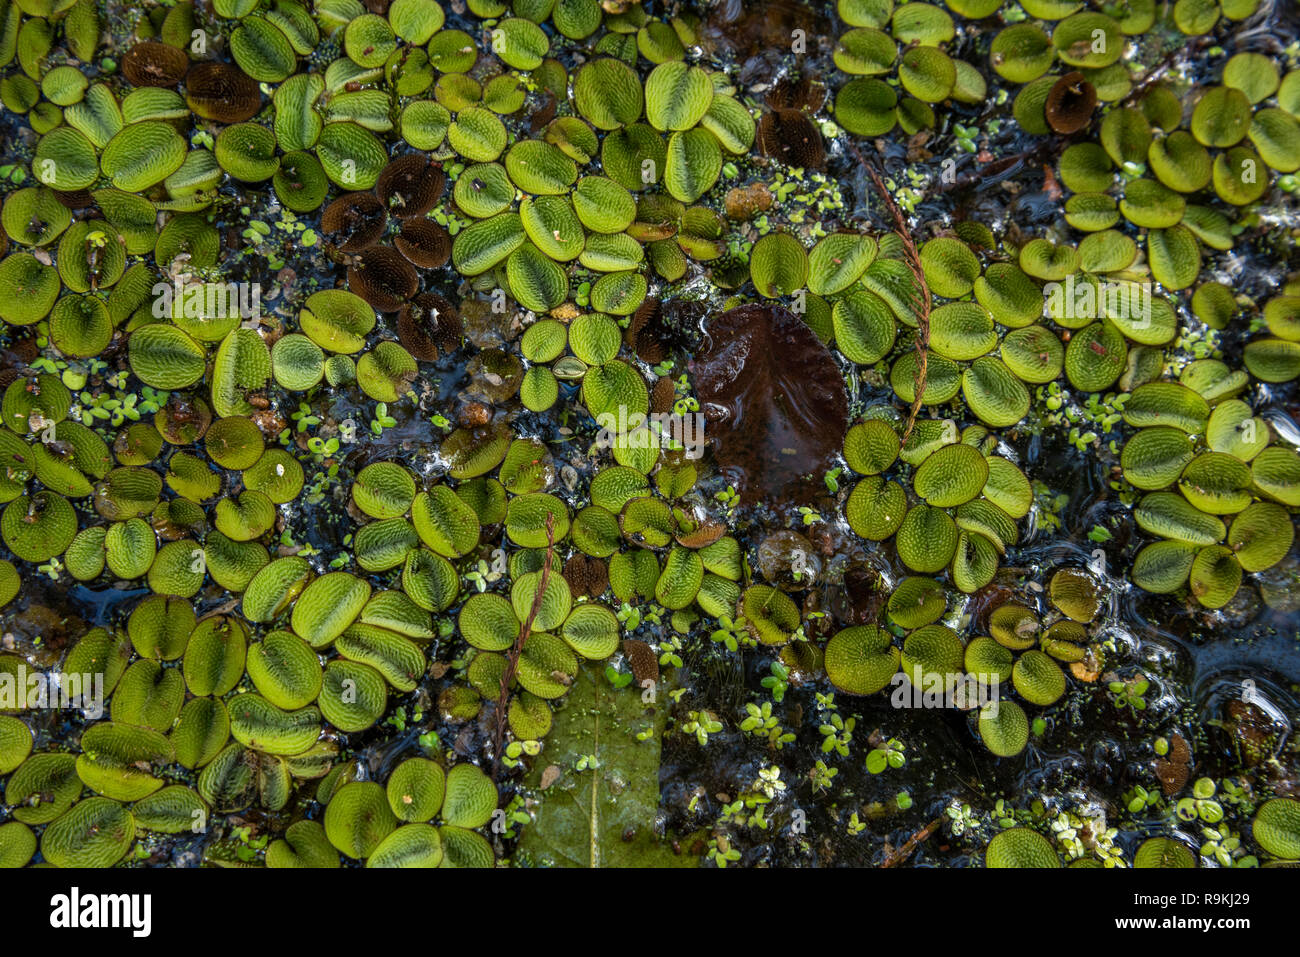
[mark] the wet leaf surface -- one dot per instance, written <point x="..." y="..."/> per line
<point x="603" y="816"/>
<point x="774" y="403"/>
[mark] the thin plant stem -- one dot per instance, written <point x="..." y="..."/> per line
<point x="922" y="308"/>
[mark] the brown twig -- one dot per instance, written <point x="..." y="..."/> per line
<point x="904" y="852"/>
<point x="921" y="308"/>
<point x="512" y="663"/>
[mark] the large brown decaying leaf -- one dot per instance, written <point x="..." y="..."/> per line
<point x="774" y="401"/>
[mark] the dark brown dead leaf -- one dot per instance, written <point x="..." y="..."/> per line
<point x="774" y="402"/>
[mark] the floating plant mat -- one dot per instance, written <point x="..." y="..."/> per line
<point x="526" y="433"/>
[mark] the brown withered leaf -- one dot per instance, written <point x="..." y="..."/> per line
<point x="75" y="199"/>
<point x="1070" y="103"/>
<point x="797" y="92"/>
<point x="774" y="403"/>
<point x="1254" y="732"/>
<point x="1174" y="770"/>
<point x="792" y="138"/>
<point x="428" y="324"/>
<point x="354" y="221"/>
<point x="916" y="151"/>
<point x="745" y="202"/>
<point x="1089" y="669"/>
<point x="861" y="596"/>
<point x="642" y="659"/>
<point x="538" y="119"/>
<point x="644" y="332"/>
<point x="586" y="575"/>
<point x="410" y="185"/>
<point x="750" y="29"/>
<point x="222" y="92"/>
<point x="152" y="63"/>
<point x="424" y="243"/>
<point x="706" y="534"/>
<point x="382" y="277"/>
<point x="663" y="395"/>
<point x="1172" y="776"/>
<point x="1179" y="752"/>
